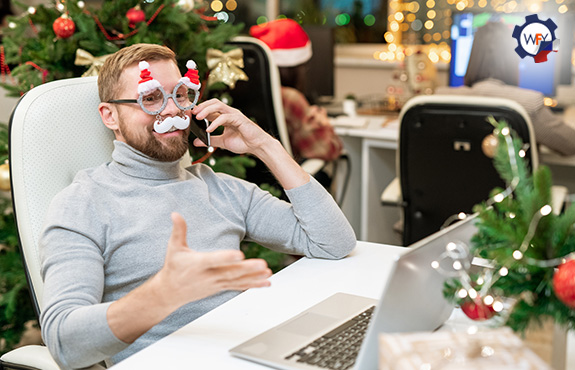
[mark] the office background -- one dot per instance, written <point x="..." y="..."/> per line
<point x="366" y="63"/>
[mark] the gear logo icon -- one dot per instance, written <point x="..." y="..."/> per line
<point x="536" y="38"/>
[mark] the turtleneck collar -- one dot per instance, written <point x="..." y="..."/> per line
<point x="134" y="163"/>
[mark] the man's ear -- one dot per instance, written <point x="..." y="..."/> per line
<point x="109" y="116"/>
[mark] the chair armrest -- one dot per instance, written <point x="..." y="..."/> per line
<point x="29" y="357"/>
<point x="313" y="166"/>
<point x="33" y="357"/>
<point x="391" y="196"/>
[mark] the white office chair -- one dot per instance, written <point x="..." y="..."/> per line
<point x="441" y="167"/>
<point x="55" y="131"/>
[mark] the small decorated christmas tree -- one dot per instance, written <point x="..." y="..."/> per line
<point x="529" y="249"/>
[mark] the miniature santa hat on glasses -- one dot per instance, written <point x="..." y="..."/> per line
<point x="147" y="83"/>
<point x="289" y="43"/>
<point x="192" y="78"/>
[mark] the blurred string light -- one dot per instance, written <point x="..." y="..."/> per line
<point x="231" y="5"/>
<point x="216" y="5"/>
<point x="369" y="20"/>
<point x="224" y="11"/>
<point x="342" y="19"/>
<point x="222" y="16"/>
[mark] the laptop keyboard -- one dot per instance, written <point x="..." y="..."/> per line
<point x="337" y="349"/>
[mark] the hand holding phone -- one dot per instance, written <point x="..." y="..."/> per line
<point x="198" y="128"/>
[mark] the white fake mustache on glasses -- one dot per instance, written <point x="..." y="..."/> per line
<point x="166" y="124"/>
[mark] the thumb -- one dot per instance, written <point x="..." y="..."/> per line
<point x="179" y="231"/>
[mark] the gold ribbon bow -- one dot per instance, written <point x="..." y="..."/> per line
<point x="226" y="67"/>
<point x="84" y="58"/>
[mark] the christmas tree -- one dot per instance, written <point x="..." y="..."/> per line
<point x="529" y="249"/>
<point x="65" y="40"/>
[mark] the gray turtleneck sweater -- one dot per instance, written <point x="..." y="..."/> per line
<point x="108" y="231"/>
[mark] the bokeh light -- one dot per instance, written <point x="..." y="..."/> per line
<point x="342" y="19"/>
<point x="231" y="5"/>
<point x="262" y="19"/>
<point x="369" y="20"/>
<point x="216" y="5"/>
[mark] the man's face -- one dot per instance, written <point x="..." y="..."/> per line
<point x="136" y="126"/>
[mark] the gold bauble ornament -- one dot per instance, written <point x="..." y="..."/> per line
<point x="489" y="145"/>
<point x="5" y="177"/>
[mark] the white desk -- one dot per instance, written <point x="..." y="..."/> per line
<point x="372" y="150"/>
<point x="204" y="343"/>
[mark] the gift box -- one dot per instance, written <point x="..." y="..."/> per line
<point x="495" y="349"/>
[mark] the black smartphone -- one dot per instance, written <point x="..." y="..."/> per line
<point x="198" y="128"/>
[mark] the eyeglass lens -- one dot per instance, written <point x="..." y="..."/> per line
<point x="155" y="100"/>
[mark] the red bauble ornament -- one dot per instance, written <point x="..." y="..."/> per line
<point x="135" y="15"/>
<point x="477" y="310"/>
<point x="64" y="27"/>
<point x="564" y="283"/>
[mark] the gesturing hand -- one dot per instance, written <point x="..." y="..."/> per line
<point x="188" y="275"/>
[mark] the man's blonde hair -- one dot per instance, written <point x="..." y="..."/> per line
<point x="109" y="78"/>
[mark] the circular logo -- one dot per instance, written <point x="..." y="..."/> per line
<point x="534" y="36"/>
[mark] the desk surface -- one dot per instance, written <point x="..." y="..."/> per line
<point x="386" y="128"/>
<point x="373" y="127"/>
<point x="204" y="343"/>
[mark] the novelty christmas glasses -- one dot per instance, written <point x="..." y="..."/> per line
<point x="152" y="97"/>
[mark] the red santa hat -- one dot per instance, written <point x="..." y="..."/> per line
<point x="191" y="79"/>
<point x="289" y="43"/>
<point x="147" y="83"/>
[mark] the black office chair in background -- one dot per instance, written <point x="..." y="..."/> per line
<point x="442" y="168"/>
<point x="260" y="99"/>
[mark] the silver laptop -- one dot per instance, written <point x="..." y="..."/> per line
<point x="304" y="341"/>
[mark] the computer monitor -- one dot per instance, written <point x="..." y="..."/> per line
<point x="320" y="68"/>
<point x="542" y="77"/>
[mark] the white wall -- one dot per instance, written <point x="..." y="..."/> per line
<point x="357" y="72"/>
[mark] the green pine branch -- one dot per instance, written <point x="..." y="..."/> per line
<point x="186" y="33"/>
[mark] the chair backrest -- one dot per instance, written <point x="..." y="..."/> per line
<point x="441" y="165"/>
<point x="259" y="98"/>
<point x="55" y="131"/>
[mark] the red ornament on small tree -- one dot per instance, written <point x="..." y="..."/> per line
<point x="564" y="283"/>
<point x="477" y="310"/>
<point x="135" y="15"/>
<point x="64" y="27"/>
